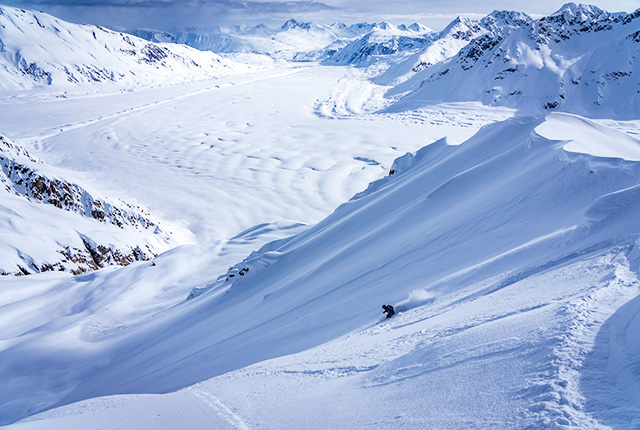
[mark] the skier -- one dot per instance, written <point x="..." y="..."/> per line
<point x="388" y="309"/>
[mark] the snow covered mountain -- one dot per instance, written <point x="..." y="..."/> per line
<point x="383" y="41"/>
<point x="580" y="59"/>
<point x="38" y="49"/>
<point x="450" y="41"/>
<point x="107" y="231"/>
<point x="293" y="40"/>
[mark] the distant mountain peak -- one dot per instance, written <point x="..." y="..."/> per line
<point x="579" y="11"/>
<point x="384" y="25"/>
<point x="506" y="18"/>
<point x="292" y="24"/>
<point x="420" y="28"/>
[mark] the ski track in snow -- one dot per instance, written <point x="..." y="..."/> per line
<point x="126" y="112"/>
<point x="534" y="345"/>
<point x="221" y="409"/>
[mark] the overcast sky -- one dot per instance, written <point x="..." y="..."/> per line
<point x="167" y="14"/>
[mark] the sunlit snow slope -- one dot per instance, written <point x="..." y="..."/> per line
<point x="504" y="256"/>
<point x="38" y="49"/>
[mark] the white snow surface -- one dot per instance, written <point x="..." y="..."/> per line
<point x="509" y="245"/>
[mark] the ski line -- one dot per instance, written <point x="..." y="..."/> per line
<point x="69" y="127"/>
<point x="221" y="409"/>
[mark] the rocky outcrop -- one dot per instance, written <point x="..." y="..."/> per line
<point x="23" y="175"/>
<point x="25" y="180"/>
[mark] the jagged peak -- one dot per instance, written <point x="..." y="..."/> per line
<point x="506" y="17"/>
<point x="384" y="25"/>
<point x="420" y="28"/>
<point x="458" y="22"/>
<point x="292" y="23"/>
<point x="579" y="10"/>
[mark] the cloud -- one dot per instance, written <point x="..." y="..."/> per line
<point x="169" y="14"/>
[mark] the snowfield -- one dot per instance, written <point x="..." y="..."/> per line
<point x="214" y="252"/>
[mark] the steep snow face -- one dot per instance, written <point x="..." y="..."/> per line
<point x="84" y="229"/>
<point x="38" y="49"/>
<point x="447" y="43"/>
<point x="580" y="59"/>
<point x="459" y="224"/>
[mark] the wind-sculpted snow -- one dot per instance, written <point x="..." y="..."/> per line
<point x="512" y="258"/>
<point x="580" y="59"/>
<point x="38" y="49"/>
<point x="503" y="254"/>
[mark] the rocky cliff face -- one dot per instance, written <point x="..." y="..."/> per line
<point x="24" y="176"/>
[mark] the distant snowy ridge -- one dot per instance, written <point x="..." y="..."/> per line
<point x="24" y="176"/>
<point x="294" y="40"/>
<point x="383" y="41"/>
<point x="38" y="49"/>
<point x="580" y="59"/>
<point x="447" y="43"/>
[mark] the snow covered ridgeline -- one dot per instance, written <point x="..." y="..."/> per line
<point x="527" y="181"/>
<point x="22" y="178"/>
<point x="580" y="59"/>
<point x="25" y="176"/>
<point x="501" y="254"/>
<point x="294" y="40"/>
<point x="38" y="49"/>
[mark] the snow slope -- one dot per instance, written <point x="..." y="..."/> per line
<point x="450" y="41"/>
<point x="38" y="49"/>
<point x="504" y="256"/>
<point x="512" y="258"/>
<point x="580" y="59"/>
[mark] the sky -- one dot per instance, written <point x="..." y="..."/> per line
<point x="178" y="14"/>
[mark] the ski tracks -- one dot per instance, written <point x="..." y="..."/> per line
<point x="213" y="86"/>
<point x="558" y="396"/>
<point x="214" y="404"/>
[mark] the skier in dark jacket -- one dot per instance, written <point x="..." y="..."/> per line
<point x="388" y="309"/>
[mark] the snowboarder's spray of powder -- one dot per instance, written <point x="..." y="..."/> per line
<point x="416" y="298"/>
